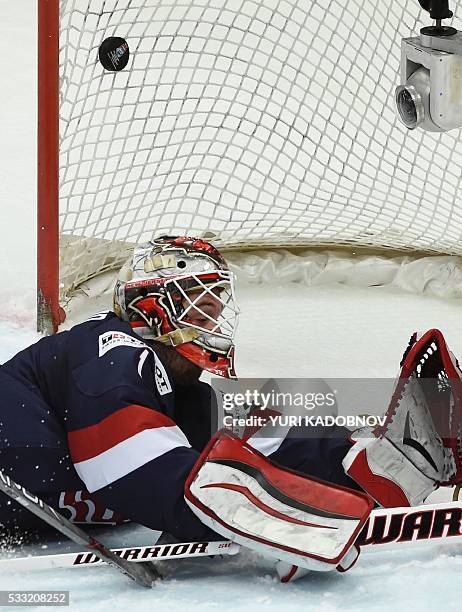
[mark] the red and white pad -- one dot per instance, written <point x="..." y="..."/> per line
<point x="418" y="448"/>
<point x="290" y="573"/>
<point x="242" y="495"/>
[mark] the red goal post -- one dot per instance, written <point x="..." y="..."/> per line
<point x="48" y="315"/>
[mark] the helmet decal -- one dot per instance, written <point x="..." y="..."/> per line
<point x="179" y="291"/>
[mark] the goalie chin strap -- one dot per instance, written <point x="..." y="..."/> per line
<point x="178" y="336"/>
<point x="419" y="446"/>
<point x="240" y="494"/>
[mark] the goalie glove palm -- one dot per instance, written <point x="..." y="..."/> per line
<point x="418" y="447"/>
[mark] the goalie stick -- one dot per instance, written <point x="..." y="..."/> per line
<point x="132" y="554"/>
<point x="143" y="575"/>
<point x="386" y="529"/>
<point x="395" y="528"/>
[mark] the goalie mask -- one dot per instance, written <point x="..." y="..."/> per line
<point x="179" y="291"/>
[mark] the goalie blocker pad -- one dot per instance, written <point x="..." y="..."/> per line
<point x="240" y="494"/>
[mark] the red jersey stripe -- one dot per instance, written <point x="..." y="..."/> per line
<point x="93" y="440"/>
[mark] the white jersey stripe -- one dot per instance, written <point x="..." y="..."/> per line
<point x="141" y="361"/>
<point x="129" y="455"/>
<point x="266" y="446"/>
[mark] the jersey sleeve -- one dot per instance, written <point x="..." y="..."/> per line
<point x="124" y="444"/>
<point x="320" y="457"/>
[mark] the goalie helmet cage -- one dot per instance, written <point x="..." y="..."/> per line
<point x="268" y="123"/>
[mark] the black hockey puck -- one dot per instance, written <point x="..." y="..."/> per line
<point x="114" y="53"/>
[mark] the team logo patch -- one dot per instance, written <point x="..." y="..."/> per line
<point x="112" y="339"/>
<point x="162" y="381"/>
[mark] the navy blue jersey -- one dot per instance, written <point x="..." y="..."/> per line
<point x="90" y="419"/>
<point x="94" y="409"/>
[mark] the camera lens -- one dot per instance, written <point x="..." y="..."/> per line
<point x="410" y="106"/>
<point x="406" y="108"/>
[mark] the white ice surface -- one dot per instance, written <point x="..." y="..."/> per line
<point x="290" y="330"/>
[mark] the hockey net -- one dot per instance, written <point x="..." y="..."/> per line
<point x="262" y="123"/>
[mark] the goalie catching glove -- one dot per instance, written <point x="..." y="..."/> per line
<point x="242" y="495"/>
<point x="419" y="446"/>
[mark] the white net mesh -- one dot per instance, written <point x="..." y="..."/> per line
<point x="266" y="122"/>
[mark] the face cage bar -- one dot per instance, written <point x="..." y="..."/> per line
<point x="225" y="280"/>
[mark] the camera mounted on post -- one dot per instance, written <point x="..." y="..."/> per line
<point x="430" y="93"/>
<point x="439" y="10"/>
